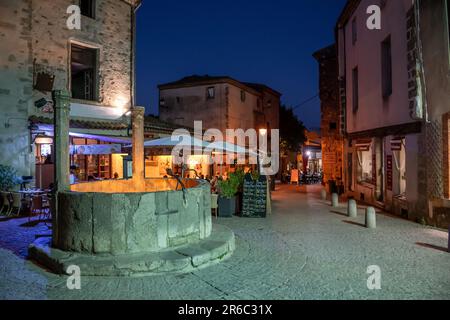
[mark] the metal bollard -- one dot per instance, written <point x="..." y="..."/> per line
<point x="323" y="194"/>
<point x="335" y="200"/>
<point x="352" y="210"/>
<point x="371" y="218"/>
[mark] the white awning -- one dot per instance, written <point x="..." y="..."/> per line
<point x="397" y="144"/>
<point x="96" y="149"/>
<point x="93" y="111"/>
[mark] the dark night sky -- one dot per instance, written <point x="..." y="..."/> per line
<point x="265" y="41"/>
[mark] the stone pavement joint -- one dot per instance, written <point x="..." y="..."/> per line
<point x="304" y="250"/>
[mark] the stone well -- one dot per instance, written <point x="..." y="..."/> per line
<point x="132" y="222"/>
<point x="127" y="227"/>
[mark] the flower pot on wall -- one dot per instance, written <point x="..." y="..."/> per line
<point x="227" y="207"/>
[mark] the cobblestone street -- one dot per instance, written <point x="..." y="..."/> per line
<point x="305" y="250"/>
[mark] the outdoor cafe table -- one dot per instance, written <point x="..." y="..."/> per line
<point x="27" y="196"/>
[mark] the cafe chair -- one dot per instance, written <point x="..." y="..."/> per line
<point x="6" y="204"/>
<point x="39" y="204"/>
<point x="16" y="203"/>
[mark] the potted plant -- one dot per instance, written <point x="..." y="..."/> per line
<point x="8" y="178"/>
<point x="227" y="196"/>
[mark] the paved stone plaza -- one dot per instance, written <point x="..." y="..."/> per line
<point x="305" y="250"/>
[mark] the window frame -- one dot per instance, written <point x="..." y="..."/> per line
<point x="93" y="9"/>
<point x="210" y="93"/>
<point x="333" y="126"/>
<point x="243" y="96"/>
<point x="386" y="67"/>
<point x="96" y="84"/>
<point x="360" y="173"/>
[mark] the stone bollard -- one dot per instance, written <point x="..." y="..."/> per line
<point x="323" y="194"/>
<point x="371" y="218"/>
<point x="448" y="247"/>
<point x="352" y="210"/>
<point x="334" y="200"/>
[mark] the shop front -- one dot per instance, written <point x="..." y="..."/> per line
<point x="93" y="156"/>
<point x="96" y="159"/>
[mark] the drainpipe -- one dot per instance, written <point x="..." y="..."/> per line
<point x="420" y="78"/>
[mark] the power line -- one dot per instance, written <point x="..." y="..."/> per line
<point x="305" y="102"/>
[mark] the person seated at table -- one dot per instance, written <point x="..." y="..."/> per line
<point x="73" y="175"/>
<point x="214" y="182"/>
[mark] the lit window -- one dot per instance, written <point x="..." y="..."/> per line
<point x="46" y="150"/>
<point x="365" y="166"/>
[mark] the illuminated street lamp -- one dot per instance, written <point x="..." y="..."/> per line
<point x="262" y="133"/>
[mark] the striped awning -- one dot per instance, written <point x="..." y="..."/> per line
<point x="363" y="144"/>
<point x="397" y="143"/>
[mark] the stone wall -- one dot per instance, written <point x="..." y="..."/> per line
<point x="35" y="39"/>
<point x="433" y="174"/>
<point x="110" y="33"/>
<point x="15" y="83"/>
<point x="119" y="223"/>
<point x="183" y="106"/>
<point x="332" y="138"/>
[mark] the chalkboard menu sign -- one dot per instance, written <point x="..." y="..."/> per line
<point x="254" y="197"/>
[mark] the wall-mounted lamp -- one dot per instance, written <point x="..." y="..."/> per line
<point x="43" y="139"/>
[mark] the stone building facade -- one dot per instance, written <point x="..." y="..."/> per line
<point x="331" y="115"/>
<point x="396" y="101"/>
<point x="39" y="53"/>
<point x="433" y="51"/>
<point x="220" y="103"/>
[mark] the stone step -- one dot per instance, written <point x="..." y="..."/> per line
<point x="220" y="245"/>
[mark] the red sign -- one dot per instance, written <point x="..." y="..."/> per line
<point x="374" y="169"/>
<point x="389" y="168"/>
